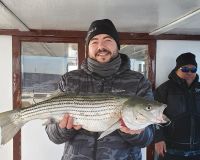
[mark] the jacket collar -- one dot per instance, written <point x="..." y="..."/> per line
<point x="173" y="76"/>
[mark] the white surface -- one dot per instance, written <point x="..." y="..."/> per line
<point x="129" y="15"/>
<point x="36" y="144"/>
<point x="6" y="152"/>
<point x="168" y="51"/>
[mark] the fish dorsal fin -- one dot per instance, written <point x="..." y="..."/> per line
<point x="59" y="93"/>
<point x="55" y="94"/>
<point x="25" y="104"/>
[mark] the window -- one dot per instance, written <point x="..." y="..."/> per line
<point x="138" y="55"/>
<point x="42" y="65"/>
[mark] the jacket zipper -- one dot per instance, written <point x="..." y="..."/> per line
<point x="192" y="132"/>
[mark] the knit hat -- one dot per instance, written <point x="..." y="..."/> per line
<point x="104" y="26"/>
<point x="185" y="59"/>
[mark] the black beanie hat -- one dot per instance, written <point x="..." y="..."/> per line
<point x="185" y="59"/>
<point x="104" y="26"/>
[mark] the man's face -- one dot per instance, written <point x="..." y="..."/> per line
<point x="188" y="76"/>
<point x="102" y="48"/>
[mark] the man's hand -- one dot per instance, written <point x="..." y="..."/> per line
<point x="160" y="148"/>
<point x="67" y="122"/>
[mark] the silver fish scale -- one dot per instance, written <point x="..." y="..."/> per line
<point x="80" y="107"/>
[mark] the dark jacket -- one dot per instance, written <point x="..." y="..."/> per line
<point x="183" y="109"/>
<point x="82" y="144"/>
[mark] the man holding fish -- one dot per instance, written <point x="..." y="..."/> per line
<point x="104" y="71"/>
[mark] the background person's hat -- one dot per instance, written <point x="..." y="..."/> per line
<point x="185" y="59"/>
<point x="104" y="26"/>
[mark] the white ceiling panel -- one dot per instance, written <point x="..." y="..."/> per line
<point x="139" y="16"/>
<point x="190" y="26"/>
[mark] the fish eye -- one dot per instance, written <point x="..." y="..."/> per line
<point x="148" y="108"/>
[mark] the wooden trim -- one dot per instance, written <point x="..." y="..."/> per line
<point x="48" y="39"/>
<point x="151" y="77"/>
<point x="177" y="37"/>
<point x="81" y="51"/>
<point x="152" y="54"/>
<point x="16" y="92"/>
<point x="150" y="152"/>
<point x="82" y="34"/>
<point x="43" y="33"/>
<point x="134" y="36"/>
<point x="152" y="62"/>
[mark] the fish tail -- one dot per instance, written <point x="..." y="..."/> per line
<point x="10" y="124"/>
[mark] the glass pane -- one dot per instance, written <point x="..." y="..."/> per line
<point x="138" y="55"/>
<point x="42" y="64"/>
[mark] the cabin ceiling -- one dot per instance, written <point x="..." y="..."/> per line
<point x="153" y="17"/>
<point x="140" y="16"/>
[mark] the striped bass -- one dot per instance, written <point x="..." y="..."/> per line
<point x="96" y="113"/>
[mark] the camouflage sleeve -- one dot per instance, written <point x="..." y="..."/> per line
<point x="141" y="140"/>
<point x="65" y="84"/>
<point x="144" y="89"/>
<point x="69" y="82"/>
<point x="58" y="135"/>
<point x="62" y="84"/>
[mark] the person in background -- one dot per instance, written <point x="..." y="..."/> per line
<point x="104" y="71"/>
<point x="180" y="140"/>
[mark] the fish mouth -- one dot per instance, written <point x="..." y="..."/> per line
<point x="162" y="118"/>
<point x="165" y="119"/>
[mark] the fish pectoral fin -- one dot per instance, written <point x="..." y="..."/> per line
<point x="114" y="127"/>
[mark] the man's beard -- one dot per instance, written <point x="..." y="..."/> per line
<point x="107" y="52"/>
<point x="102" y="50"/>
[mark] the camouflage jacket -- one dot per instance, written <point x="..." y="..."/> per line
<point x="82" y="144"/>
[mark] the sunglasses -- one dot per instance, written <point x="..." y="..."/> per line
<point x="187" y="69"/>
